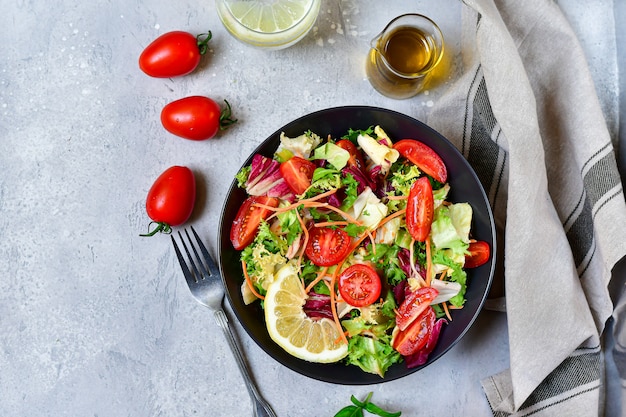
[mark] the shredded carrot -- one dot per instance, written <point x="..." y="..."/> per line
<point x="308" y="204"/>
<point x="453" y="307"/>
<point x="391" y="216"/>
<point x="336" y="210"/>
<point x="249" y="281"/>
<point x="324" y="224"/>
<point x="333" y="305"/>
<point x="320" y="196"/>
<point x="429" y="263"/>
<point x="445" y="308"/>
<point x="317" y="279"/>
<point x="412" y="258"/>
<point x="397" y="197"/>
<point x="306" y="239"/>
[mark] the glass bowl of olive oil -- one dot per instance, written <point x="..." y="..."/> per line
<point x="403" y="55"/>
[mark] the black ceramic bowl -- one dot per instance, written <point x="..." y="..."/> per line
<point x="465" y="187"/>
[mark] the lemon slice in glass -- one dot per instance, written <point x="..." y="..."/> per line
<point x="272" y="24"/>
<point x="313" y="340"/>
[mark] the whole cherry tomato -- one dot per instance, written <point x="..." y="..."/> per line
<point x="196" y="117"/>
<point x="326" y="246"/>
<point x="479" y="252"/>
<point x="248" y="218"/>
<point x="424" y="157"/>
<point x="171" y="199"/>
<point x="359" y="285"/>
<point x="420" y="209"/>
<point x="298" y="173"/>
<point x="173" y="54"/>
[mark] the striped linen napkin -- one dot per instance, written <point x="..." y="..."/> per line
<point x="526" y="116"/>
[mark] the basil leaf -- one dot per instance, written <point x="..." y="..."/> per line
<point x="350" y="411"/>
<point x="357" y="402"/>
<point x="374" y="409"/>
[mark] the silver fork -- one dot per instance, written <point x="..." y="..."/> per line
<point x="204" y="280"/>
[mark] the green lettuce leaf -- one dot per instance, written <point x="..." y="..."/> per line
<point x="372" y="355"/>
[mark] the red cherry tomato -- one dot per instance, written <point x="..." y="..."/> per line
<point x="424" y="157"/>
<point x="415" y="337"/>
<point x="298" y="173"/>
<point x="356" y="157"/>
<point x="419" y="209"/>
<point x="173" y="54"/>
<point x="171" y="198"/>
<point x="413" y="305"/>
<point x="326" y="246"/>
<point x="196" y="117"/>
<point x="248" y="218"/>
<point x="479" y="253"/>
<point x="359" y="285"/>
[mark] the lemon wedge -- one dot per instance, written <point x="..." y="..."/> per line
<point x="268" y="23"/>
<point x="313" y="340"/>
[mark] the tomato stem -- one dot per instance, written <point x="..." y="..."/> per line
<point x="161" y="228"/>
<point x="203" y="41"/>
<point x="226" y="117"/>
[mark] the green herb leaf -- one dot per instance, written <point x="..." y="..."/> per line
<point x="356" y="410"/>
<point x="350" y="411"/>
<point x="374" y="409"/>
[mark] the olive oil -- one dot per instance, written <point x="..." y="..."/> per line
<point x="408" y="50"/>
<point x="402" y="55"/>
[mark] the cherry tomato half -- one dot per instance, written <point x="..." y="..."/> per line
<point x="326" y="246"/>
<point x="173" y="54"/>
<point x="196" y="117"/>
<point x="479" y="252"/>
<point x="413" y="305"/>
<point x="359" y="285"/>
<point x="248" y="218"/>
<point x="298" y="173"/>
<point x="356" y="157"/>
<point x="420" y="209"/>
<point x="415" y="337"/>
<point x="171" y="198"/>
<point x="424" y="157"/>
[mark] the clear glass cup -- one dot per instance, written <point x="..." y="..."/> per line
<point x="268" y="24"/>
<point x="403" y="55"/>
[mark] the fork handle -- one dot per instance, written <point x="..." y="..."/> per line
<point x="261" y="407"/>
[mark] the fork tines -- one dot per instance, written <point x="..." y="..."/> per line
<point x="199" y="267"/>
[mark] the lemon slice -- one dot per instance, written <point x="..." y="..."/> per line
<point x="313" y="340"/>
<point x="268" y="23"/>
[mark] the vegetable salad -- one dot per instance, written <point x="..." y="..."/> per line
<point x="366" y="222"/>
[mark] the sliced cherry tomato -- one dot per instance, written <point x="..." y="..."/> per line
<point x="171" y="198"/>
<point x="413" y="305"/>
<point x="479" y="252"/>
<point x="246" y="223"/>
<point x="298" y="173"/>
<point x="196" y="117"/>
<point x="424" y="157"/>
<point x="326" y="246"/>
<point x="420" y="209"/>
<point x="359" y="285"/>
<point x="415" y="337"/>
<point x="173" y="54"/>
<point x="356" y="157"/>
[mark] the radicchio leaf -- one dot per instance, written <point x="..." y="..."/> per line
<point x="265" y="179"/>
<point x="318" y="305"/>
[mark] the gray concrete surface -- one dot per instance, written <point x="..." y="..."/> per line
<point x="95" y="320"/>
